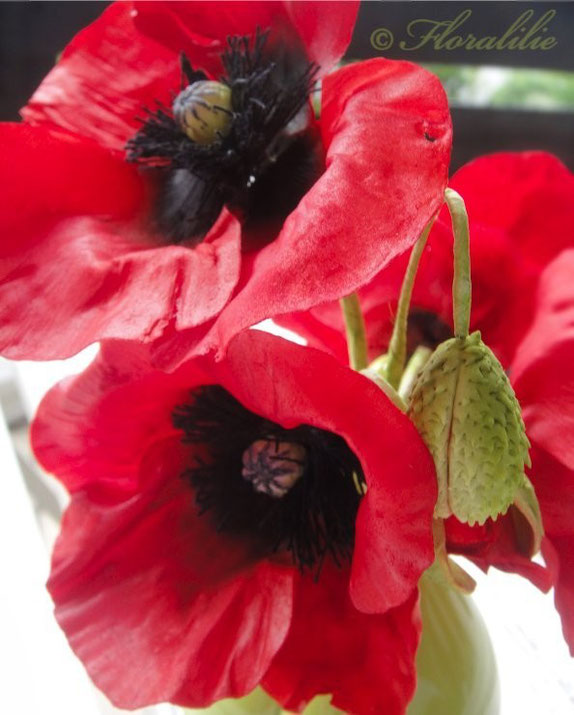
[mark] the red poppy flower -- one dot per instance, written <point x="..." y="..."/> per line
<point x="521" y="210"/>
<point x="219" y="536"/>
<point x="278" y="212"/>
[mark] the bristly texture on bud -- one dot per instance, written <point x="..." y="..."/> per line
<point x="467" y="413"/>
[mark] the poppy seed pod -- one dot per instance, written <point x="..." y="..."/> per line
<point x="203" y="111"/>
<point x="468" y="415"/>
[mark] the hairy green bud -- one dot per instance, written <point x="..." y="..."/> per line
<point x="468" y="415"/>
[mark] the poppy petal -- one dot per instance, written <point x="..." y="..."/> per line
<point x="157" y="605"/>
<point x="105" y="78"/>
<point x="391" y="548"/>
<point x="325" y="29"/>
<point x="120" y="405"/>
<point x="47" y="175"/>
<point x="496" y="544"/>
<point x="554" y="485"/>
<point x="329" y="245"/>
<point x="506" y="233"/>
<point x="527" y="195"/>
<point x="365" y="662"/>
<point x="542" y="371"/>
<point x="92" y="429"/>
<point x="77" y="264"/>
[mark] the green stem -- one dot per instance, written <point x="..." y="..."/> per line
<point x="461" y="284"/>
<point x="356" y="333"/>
<point x="397" y="351"/>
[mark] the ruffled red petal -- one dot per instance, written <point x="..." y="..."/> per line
<point x="387" y="133"/>
<point x="498" y="544"/>
<point x="325" y="29"/>
<point x="48" y="176"/>
<point x="293" y="385"/>
<point x="129" y="57"/>
<point x="365" y="662"/>
<point x="79" y="434"/>
<point x="156" y="604"/>
<point x="92" y="430"/>
<point x="517" y="235"/>
<point x="542" y="371"/>
<point x="105" y="78"/>
<point x="78" y="262"/>
<point x="554" y="485"/>
<point x="564" y="588"/>
<point x="528" y="196"/>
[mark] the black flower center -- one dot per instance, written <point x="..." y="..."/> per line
<point x="294" y="490"/>
<point x="248" y="142"/>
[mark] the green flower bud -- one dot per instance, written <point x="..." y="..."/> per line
<point x="468" y="415"/>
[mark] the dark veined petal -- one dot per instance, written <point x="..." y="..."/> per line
<point x="365" y="662"/>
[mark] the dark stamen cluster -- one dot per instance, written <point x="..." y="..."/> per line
<point x="266" y="96"/>
<point x="314" y="518"/>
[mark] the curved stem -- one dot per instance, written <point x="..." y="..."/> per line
<point x="461" y="284"/>
<point x="397" y="351"/>
<point x="356" y="333"/>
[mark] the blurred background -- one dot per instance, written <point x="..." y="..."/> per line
<point x="501" y="100"/>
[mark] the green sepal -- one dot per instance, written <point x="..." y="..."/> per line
<point x="467" y="413"/>
<point x="445" y="570"/>
<point x="527" y="504"/>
